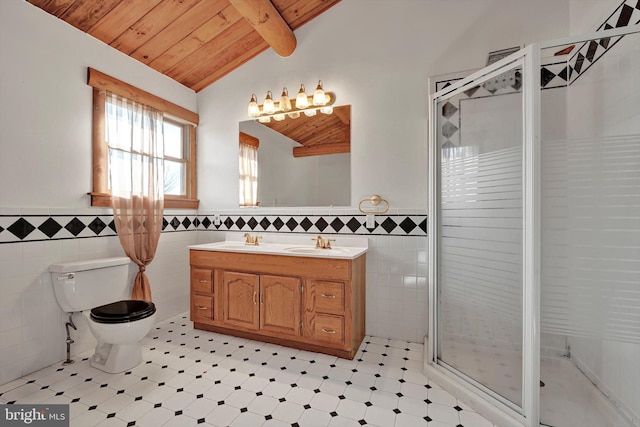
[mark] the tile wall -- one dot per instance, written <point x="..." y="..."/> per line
<point x="32" y="332"/>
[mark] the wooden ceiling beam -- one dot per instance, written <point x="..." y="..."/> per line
<point x="268" y="22"/>
<point x="321" y="149"/>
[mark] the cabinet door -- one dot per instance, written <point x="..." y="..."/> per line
<point x="241" y="299"/>
<point x="280" y="305"/>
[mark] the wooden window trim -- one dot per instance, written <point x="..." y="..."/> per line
<point x="100" y="195"/>
<point x="99" y="80"/>
<point x="249" y="140"/>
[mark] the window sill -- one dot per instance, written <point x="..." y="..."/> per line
<point x="170" y="202"/>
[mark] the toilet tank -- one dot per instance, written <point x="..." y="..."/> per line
<point x="83" y="285"/>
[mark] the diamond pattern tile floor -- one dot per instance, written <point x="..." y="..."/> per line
<point x="197" y="378"/>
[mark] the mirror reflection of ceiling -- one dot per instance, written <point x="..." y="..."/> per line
<point x="331" y="131"/>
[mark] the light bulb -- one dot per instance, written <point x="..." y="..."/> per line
<point x="268" y="106"/>
<point x="301" y="99"/>
<point x="285" y="102"/>
<point x="293" y="115"/>
<point x="318" y="95"/>
<point x="327" y="110"/>
<point x="264" y="119"/>
<point x="278" y="117"/>
<point x="309" y="113"/>
<point x="253" y="109"/>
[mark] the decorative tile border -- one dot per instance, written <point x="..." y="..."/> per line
<point x="552" y="75"/>
<point x="450" y="111"/>
<point x="385" y="225"/>
<point x="627" y="13"/>
<point x="35" y="228"/>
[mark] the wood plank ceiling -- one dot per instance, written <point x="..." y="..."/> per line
<point x="319" y="134"/>
<point x="195" y="42"/>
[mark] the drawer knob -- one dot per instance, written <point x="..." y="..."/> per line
<point x="328" y="296"/>
<point x="202" y="281"/>
<point x="202" y="307"/>
<point x="328" y="331"/>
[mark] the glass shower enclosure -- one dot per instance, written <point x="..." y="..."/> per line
<point x="486" y="222"/>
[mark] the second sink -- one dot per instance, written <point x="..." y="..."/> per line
<point x="311" y="250"/>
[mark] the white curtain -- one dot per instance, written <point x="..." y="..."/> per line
<point x="134" y="135"/>
<point x="248" y="175"/>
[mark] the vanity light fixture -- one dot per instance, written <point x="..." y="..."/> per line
<point x="268" y="107"/>
<point x="318" y="95"/>
<point x="285" y="102"/>
<point x="253" y="110"/>
<point x="309" y="105"/>
<point x="301" y="99"/>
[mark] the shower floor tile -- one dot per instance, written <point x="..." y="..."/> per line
<point x="567" y="399"/>
<point x="197" y="378"/>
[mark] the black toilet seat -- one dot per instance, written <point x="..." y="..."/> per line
<point x="123" y="311"/>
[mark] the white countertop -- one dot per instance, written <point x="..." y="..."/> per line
<point x="289" y="245"/>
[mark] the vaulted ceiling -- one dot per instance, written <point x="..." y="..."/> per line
<point x="195" y="42"/>
<point x="319" y="134"/>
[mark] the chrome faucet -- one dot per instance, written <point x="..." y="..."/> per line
<point x="322" y="243"/>
<point x="249" y="240"/>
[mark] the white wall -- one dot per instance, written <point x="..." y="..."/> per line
<point x="45" y="169"/>
<point x="376" y="55"/>
<point x="586" y="16"/>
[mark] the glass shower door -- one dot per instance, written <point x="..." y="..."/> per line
<point x="479" y="161"/>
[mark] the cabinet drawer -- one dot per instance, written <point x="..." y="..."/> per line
<point x="329" y="296"/>
<point x="329" y="329"/>
<point x="201" y="307"/>
<point x="202" y="280"/>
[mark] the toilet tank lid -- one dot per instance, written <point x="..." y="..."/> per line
<point x="88" y="264"/>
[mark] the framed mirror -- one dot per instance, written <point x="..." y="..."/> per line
<point x="304" y="161"/>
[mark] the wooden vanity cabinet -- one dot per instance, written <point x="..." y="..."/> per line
<point x="316" y="304"/>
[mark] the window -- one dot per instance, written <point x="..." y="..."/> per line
<point x="179" y="135"/>
<point x="176" y="157"/>
<point x="248" y="170"/>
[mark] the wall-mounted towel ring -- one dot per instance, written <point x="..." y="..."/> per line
<point x="374" y="200"/>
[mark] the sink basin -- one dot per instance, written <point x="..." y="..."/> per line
<point x="233" y="245"/>
<point x="286" y="249"/>
<point x="313" y="251"/>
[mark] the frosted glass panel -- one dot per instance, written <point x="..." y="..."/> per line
<point x="590" y="284"/>
<point x="480" y="238"/>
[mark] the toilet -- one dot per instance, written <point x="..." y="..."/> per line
<point x="94" y="287"/>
